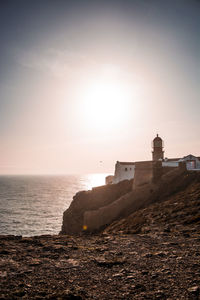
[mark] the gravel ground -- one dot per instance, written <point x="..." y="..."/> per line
<point x="157" y="265"/>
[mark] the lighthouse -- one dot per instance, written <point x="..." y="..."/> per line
<point x="157" y="153"/>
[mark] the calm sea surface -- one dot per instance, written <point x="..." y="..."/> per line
<point x="34" y="205"/>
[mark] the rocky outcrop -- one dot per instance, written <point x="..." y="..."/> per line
<point x="179" y="214"/>
<point x="139" y="198"/>
<point x="91" y="200"/>
<point x="94" y="210"/>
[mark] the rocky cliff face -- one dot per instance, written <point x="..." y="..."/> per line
<point x="178" y="215"/>
<point x="96" y="209"/>
<point x="90" y="201"/>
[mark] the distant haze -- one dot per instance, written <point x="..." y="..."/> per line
<point x="86" y="83"/>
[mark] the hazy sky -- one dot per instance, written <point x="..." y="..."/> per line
<point x="89" y="81"/>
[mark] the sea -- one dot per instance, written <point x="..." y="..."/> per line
<point x="34" y="205"/>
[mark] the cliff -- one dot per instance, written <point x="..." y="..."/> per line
<point x="178" y="215"/>
<point x="96" y="209"/>
<point x="73" y="217"/>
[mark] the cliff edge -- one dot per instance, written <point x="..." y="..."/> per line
<point x="92" y="200"/>
<point x="94" y="210"/>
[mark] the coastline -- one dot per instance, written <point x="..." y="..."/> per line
<point x="153" y="253"/>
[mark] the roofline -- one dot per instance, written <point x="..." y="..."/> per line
<point x="172" y="159"/>
<point x="132" y="162"/>
<point x="143" y="161"/>
<point x="125" y="163"/>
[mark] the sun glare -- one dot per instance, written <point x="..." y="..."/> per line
<point x="105" y="104"/>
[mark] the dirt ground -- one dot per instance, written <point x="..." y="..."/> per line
<point x="157" y="265"/>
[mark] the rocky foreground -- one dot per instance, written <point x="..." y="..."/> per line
<point x="157" y="265"/>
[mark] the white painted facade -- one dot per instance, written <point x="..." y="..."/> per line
<point x="172" y="164"/>
<point x="123" y="171"/>
<point x="126" y="170"/>
<point x="192" y="162"/>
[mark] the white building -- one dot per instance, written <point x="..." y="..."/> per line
<point x="126" y="170"/>
<point x="123" y="170"/>
<point x="192" y="162"/>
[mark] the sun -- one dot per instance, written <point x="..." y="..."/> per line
<point x="105" y="104"/>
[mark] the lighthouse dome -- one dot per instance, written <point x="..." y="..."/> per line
<point x="157" y="142"/>
<point x="157" y="138"/>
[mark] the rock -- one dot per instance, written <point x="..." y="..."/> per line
<point x="117" y="275"/>
<point x="73" y="263"/>
<point x="91" y="200"/>
<point x="130" y="277"/>
<point x="194" y="290"/>
<point x="103" y="262"/>
<point x="3" y="273"/>
<point x="34" y="262"/>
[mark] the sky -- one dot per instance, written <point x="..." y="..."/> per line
<point x="86" y="83"/>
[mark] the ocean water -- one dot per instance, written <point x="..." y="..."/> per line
<point x="34" y="205"/>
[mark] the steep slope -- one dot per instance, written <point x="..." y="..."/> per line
<point x="141" y="197"/>
<point x="94" y="210"/>
<point x="91" y="200"/>
<point x="178" y="214"/>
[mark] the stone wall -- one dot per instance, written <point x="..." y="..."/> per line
<point x="143" y="173"/>
<point x="91" y="200"/>
<point x="140" y="197"/>
<point x="94" y="210"/>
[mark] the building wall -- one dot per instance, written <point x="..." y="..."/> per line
<point x="192" y="162"/>
<point x="172" y="164"/>
<point x="198" y="164"/>
<point x="109" y="179"/>
<point x="123" y="171"/>
<point x="143" y="173"/>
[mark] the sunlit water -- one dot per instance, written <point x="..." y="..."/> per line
<point x="34" y="205"/>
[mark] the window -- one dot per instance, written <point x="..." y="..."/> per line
<point x="130" y="168"/>
<point x="126" y="169"/>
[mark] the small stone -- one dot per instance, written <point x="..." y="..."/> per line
<point x="130" y="277"/>
<point x="194" y="290"/>
<point x="3" y="273"/>
<point x="117" y="275"/>
<point x="35" y="262"/>
<point x="73" y="262"/>
<point x="103" y="262"/>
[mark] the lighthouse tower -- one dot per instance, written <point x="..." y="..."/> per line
<point x="157" y="153"/>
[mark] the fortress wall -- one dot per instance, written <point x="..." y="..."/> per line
<point x="143" y="173"/>
<point x="93" y="210"/>
<point x="91" y="200"/>
<point x="122" y="207"/>
<point x="138" y="198"/>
